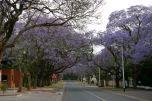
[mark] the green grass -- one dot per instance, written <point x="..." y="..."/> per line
<point x="58" y="85"/>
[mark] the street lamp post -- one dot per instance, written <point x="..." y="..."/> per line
<point x="122" y="62"/>
<point x="99" y="77"/>
<point x="123" y="71"/>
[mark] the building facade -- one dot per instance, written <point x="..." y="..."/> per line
<point x="11" y="77"/>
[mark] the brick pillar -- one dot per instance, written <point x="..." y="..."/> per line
<point x="11" y="78"/>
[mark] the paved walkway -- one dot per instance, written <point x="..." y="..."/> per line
<point x="34" y="95"/>
<point x="8" y="93"/>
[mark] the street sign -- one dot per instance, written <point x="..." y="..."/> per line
<point x="54" y="77"/>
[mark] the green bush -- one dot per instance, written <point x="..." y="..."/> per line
<point x="3" y="87"/>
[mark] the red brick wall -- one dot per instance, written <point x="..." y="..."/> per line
<point x="13" y="77"/>
<point x="10" y="76"/>
<point x="17" y="76"/>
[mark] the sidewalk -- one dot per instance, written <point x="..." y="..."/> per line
<point x="47" y="90"/>
<point x="9" y="93"/>
<point x="39" y="94"/>
<point x="138" y="94"/>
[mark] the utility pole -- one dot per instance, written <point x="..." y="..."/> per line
<point x="123" y="71"/>
<point x="99" y="77"/>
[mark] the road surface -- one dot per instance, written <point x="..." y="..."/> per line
<point x="74" y="91"/>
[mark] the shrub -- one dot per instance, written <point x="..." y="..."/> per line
<point x="3" y="87"/>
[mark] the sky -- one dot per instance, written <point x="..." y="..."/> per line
<point x="108" y="7"/>
<point x="112" y="5"/>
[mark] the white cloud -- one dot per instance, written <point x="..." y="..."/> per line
<point x="110" y="6"/>
<point x="113" y="5"/>
<point x="97" y="49"/>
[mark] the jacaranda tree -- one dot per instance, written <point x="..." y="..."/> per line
<point x="129" y="29"/>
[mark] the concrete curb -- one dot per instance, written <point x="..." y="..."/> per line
<point x="11" y="94"/>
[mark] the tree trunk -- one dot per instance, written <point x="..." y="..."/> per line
<point x="127" y="79"/>
<point x="117" y="82"/>
<point x="1" y="55"/>
<point x="117" y="79"/>
<point x="34" y="81"/>
<point x="135" y="75"/>
<point x="20" y="89"/>
<point x="134" y="80"/>
<point x="29" y="82"/>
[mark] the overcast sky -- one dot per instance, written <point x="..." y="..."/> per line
<point x="110" y="6"/>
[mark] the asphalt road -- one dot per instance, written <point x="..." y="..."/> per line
<point x="73" y="91"/>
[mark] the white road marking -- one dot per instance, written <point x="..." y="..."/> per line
<point x="95" y="95"/>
